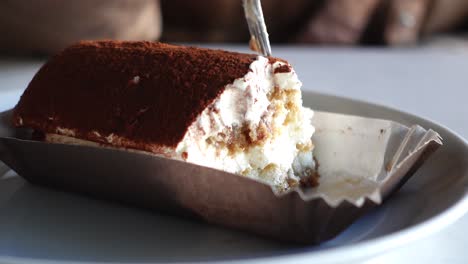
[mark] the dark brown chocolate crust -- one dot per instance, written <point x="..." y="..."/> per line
<point x="144" y="91"/>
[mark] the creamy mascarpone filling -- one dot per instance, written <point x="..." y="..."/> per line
<point x="257" y="127"/>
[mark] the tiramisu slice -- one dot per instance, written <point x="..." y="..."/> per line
<point x="236" y="112"/>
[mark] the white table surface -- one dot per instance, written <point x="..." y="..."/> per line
<point x="432" y="83"/>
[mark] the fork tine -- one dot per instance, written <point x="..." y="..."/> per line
<point x="257" y="28"/>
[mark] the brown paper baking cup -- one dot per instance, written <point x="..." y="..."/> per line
<point x="362" y="161"/>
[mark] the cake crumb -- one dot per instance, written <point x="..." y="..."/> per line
<point x="110" y="138"/>
<point x="312" y="180"/>
<point x="253" y="45"/>
<point x="389" y="166"/>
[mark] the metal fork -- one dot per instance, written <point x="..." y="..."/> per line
<point x="258" y="33"/>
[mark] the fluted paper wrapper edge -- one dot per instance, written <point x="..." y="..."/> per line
<point x="362" y="162"/>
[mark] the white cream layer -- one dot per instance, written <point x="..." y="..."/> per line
<point x="245" y="101"/>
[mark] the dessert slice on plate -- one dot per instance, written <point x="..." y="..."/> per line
<point x="235" y="112"/>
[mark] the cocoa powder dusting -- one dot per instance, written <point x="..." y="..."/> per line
<point x="283" y="69"/>
<point x="86" y="87"/>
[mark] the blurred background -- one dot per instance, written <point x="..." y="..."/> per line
<point x="394" y="68"/>
<point x="47" y="26"/>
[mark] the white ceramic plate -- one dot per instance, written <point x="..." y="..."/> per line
<point x="41" y="225"/>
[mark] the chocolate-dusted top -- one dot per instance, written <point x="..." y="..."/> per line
<point x="144" y="91"/>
